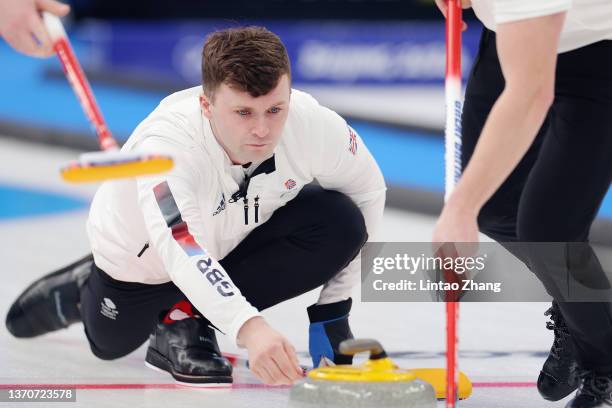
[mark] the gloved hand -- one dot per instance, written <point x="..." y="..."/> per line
<point x="329" y="326"/>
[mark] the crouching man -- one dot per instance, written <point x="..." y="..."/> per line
<point x="236" y="227"/>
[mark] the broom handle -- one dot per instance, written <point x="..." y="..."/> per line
<point x="452" y="172"/>
<point x="453" y="96"/>
<point x="77" y="79"/>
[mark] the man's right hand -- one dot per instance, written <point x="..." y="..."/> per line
<point x="443" y="6"/>
<point x="22" y="27"/>
<point x="271" y="357"/>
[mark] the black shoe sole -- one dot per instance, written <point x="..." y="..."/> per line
<point x="156" y="361"/>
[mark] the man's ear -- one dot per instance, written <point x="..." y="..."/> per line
<point x="206" y="105"/>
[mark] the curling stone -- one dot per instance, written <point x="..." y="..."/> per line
<point x="378" y="382"/>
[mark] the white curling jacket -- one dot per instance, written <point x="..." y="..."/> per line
<point x="175" y="226"/>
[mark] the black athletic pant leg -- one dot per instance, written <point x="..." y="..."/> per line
<point x="119" y="316"/>
<point x="556" y="190"/>
<point x="568" y="183"/>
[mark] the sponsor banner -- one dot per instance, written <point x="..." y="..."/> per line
<point x="378" y="53"/>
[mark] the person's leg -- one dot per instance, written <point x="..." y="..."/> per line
<point x="119" y="316"/>
<point x="568" y="183"/>
<point x="303" y="245"/>
<point x="498" y="217"/>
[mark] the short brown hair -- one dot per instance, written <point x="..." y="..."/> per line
<point x="249" y="59"/>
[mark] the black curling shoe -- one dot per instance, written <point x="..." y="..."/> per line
<point x="187" y="349"/>
<point x="50" y="303"/>
<point x="595" y="391"/>
<point x="559" y="375"/>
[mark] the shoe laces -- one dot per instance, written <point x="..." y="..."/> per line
<point x="597" y="386"/>
<point x="562" y="335"/>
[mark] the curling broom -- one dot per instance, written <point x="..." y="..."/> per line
<point x="109" y="163"/>
<point x="452" y="161"/>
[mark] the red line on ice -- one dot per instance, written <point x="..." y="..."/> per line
<point x="504" y="384"/>
<point x="140" y="386"/>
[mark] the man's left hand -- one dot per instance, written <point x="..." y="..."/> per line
<point x="328" y="328"/>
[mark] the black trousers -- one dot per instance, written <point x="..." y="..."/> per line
<point x="302" y="246"/>
<point x="554" y="193"/>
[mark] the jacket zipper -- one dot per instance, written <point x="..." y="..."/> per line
<point x="246" y="210"/>
<point x="256" y="209"/>
<point x="266" y="167"/>
<point x="242" y="193"/>
<point x="144" y="248"/>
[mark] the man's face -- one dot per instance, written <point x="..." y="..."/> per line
<point x="248" y="128"/>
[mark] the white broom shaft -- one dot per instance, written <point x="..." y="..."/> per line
<point x="452" y="139"/>
<point x="453" y="96"/>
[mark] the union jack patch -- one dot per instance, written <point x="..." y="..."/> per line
<point x="352" y="141"/>
<point x="289" y="184"/>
